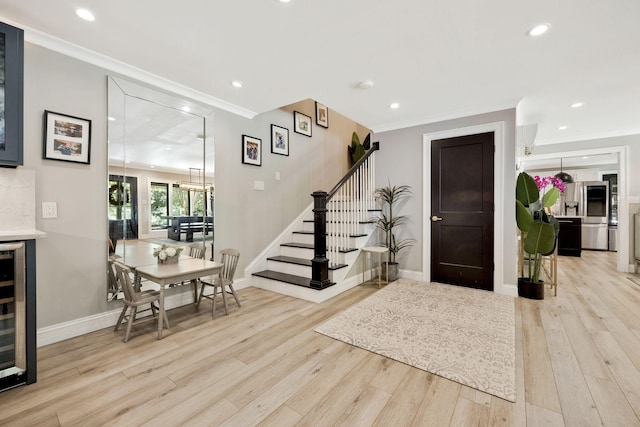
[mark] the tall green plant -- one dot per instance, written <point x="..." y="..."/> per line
<point x="389" y="196"/>
<point x="537" y="227"/>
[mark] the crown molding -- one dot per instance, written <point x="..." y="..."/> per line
<point x="86" y="55"/>
<point x="444" y="117"/>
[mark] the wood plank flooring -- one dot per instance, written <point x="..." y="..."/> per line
<point x="577" y="359"/>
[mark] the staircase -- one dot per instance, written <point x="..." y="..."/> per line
<point x="315" y="256"/>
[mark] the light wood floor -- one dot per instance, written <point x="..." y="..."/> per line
<point x="578" y="364"/>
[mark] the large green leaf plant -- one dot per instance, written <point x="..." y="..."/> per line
<point x="539" y="229"/>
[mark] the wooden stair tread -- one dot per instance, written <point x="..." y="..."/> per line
<point x="310" y="246"/>
<point x="301" y="261"/>
<point x="290" y="260"/>
<point x="328" y="234"/>
<point x="287" y="278"/>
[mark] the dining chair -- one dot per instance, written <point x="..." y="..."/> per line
<point x="196" y="250"/>
<point x="133" y="299"/>
<point x="114" y="284"/>
<point x="223" y="281"/>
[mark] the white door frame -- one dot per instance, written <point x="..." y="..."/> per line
<point x="624" y="220"/>
<point x="498" y="196"/>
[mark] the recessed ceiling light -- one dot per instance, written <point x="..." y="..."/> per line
<point x="562" y="128"/>
<point x="236" y="83"/>
<point x="111" y="119"/>
<point x="151" y="166"/>
<point x="186" y="108"/>
<point x="585" y="157"/>
<point x="284" y="1"/>
<point x="394" y="105"/>
<point x="85" y="14"/>
<point x="577" y="104"/>
<point x="367" y="84"/>
<point x="539" y="30"/>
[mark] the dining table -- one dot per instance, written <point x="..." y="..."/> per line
<point x="186" y="268"/>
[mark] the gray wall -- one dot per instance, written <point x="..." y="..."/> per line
<point x="71" y="261"/>
<point x="400" y="162"/>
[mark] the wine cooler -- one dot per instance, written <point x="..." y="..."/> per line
<point x="17" y="346"/>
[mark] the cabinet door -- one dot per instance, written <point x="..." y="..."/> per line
<point x="12" y="81"/>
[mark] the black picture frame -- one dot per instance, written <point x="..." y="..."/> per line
<point x="322" y="115"/>
<point x="12" y="81"/>
<point x="251" y="150"/>
<point x="279" y="140"/>
<point x="302" y="123"/>
<point x="66" y="138"/>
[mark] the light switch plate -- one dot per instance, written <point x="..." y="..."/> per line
<point x="258" y="185"/>
<point x="49" y="210"/>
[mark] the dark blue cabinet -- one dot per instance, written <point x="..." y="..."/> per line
<point x="11" y="95"/>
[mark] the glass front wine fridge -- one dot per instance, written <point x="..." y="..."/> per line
<point x="13" y="315"/>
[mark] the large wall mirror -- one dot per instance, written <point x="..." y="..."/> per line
<point x="161" y="175"/>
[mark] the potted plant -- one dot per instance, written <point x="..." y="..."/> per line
<point x="538" y="228"/>
<point x="356" y="149"/>
<point x="390" y="196"/>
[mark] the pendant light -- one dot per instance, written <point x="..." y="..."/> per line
<point x="565" y="177"/>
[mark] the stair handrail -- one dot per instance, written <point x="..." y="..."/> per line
<point x="320" y="262"/>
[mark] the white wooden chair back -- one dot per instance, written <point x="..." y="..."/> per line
<point x="123" y="276"/>
<point x="230" y="262"/>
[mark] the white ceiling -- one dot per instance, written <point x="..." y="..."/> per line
<point x="437" y="59"/>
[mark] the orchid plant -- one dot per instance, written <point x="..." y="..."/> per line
<point x="539" y="229"/>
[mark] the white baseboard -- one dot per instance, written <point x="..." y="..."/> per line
<point x="411" y="275"/>
<point x="84" y="325"/>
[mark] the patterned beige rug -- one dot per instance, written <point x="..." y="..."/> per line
<point x="465" y="335"/>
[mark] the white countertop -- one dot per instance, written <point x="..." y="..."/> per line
<point x="28" y="234"/>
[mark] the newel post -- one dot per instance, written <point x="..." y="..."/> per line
<point x="320" y="262"/>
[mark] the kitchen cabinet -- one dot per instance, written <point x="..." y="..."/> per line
<point x="570" y="236"/>
<point x="11" y="89"/>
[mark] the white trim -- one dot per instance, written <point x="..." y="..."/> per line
<point x="624" y="222"/>
<point x="444" y="117"/>
<point x="66" y="48"/>
<point x="598" y="135"/>
<point x="499" y="285"/>
<point x="84" y="325"/>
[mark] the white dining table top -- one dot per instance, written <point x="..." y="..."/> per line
<point x="185" y="269"/>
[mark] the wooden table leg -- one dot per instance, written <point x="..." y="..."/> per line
<point x="379" y="268"/>
<point x="364" y="266"/>
<point x="387" y="267"/>
<point x="161" y="312"/>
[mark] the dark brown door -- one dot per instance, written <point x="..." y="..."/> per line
<point x="462" y="211"/>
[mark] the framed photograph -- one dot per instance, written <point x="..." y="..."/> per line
<point x="251" y="150"/>
<point x="322" y="115"/>
<point x="67" y="138"/>
<point x="279" y="140"/>
<point x="301" y="123"/>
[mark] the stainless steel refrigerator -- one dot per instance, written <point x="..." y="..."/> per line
<point x="589" y="200"/>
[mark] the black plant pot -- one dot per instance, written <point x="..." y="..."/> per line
<point x="530" y="289"/>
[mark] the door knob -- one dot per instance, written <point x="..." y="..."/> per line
<point x="436" y="218"/>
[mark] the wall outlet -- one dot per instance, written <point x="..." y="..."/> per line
<point x="49" y="210"/>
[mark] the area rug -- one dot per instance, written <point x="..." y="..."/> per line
<point x="465" y="335"/>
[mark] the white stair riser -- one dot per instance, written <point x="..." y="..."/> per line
<point x="302" y="238"/>
<point x="296" y="252"/>
<point x="360" y="229"/>
<point x="285" y="267"/>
